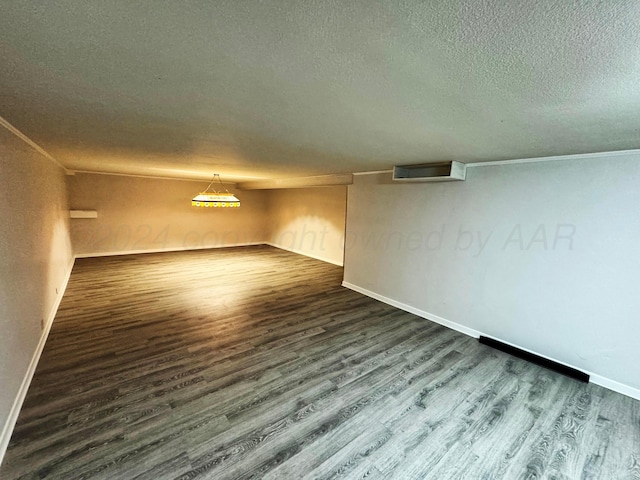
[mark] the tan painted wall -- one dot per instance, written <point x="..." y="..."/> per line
<point x="134" y="214"/>
<point x="35" y="259"/>
<point x="148" y="214"/>
<point x="309" y="221"/>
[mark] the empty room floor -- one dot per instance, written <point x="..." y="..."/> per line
<point x="253" y="362"/>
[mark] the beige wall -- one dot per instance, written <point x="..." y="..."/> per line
<point x="134" y="214"/>
<point x="35" y="260"/>
<point x="147" y="214"/>
<point x="309" y="221"/>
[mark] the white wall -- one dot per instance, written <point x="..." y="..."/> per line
<point x="35" y="261"/>
<point x="541" y="255"/>
<point x="148" y="214"/>
<point x="309" y="221"/>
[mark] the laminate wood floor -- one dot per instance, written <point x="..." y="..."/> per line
<point x="253" y="362"/>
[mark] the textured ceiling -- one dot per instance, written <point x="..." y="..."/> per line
<point x="271" y="89"/>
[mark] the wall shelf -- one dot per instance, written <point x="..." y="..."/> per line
<point x="83" y="214"/>
<point x="430" y="172"/>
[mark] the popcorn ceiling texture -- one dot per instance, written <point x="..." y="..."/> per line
<point x="291" y="88"/>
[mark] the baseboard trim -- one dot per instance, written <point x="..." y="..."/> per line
<point x="408" y="308"/>
<point x="165" y="250"/>
<point x="594" y="378"/>
<point x="615" y="386"/>
<point x="10" y="424"/>
<point x="558" y="367"/>
<point x="306" y="254"/>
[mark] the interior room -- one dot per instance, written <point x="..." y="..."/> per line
<point x="412" y="177"/>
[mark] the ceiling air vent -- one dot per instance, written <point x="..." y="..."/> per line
<point x="430" y="172"/>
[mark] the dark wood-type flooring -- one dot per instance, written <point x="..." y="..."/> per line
<point x="255" y="363"/>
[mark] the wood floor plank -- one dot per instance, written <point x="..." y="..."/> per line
<point x="252" y="362"/>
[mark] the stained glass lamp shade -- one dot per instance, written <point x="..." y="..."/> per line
<point x="212" y="198"/>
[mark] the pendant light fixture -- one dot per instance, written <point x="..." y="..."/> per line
<point x="214" y="198"/>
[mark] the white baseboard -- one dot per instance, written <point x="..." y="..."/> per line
<point x="162" y="250"/>
<point x="615" y="386"/>
<point x="593" y="378"/>
<point x="408" y="308"/>
<point x="7" y="430"/>
<point x="9" y="425"/>
<point x="306" y="254"/>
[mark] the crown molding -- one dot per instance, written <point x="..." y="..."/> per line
<point x="298" y="182"/>
<point x="30" y="142"/>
